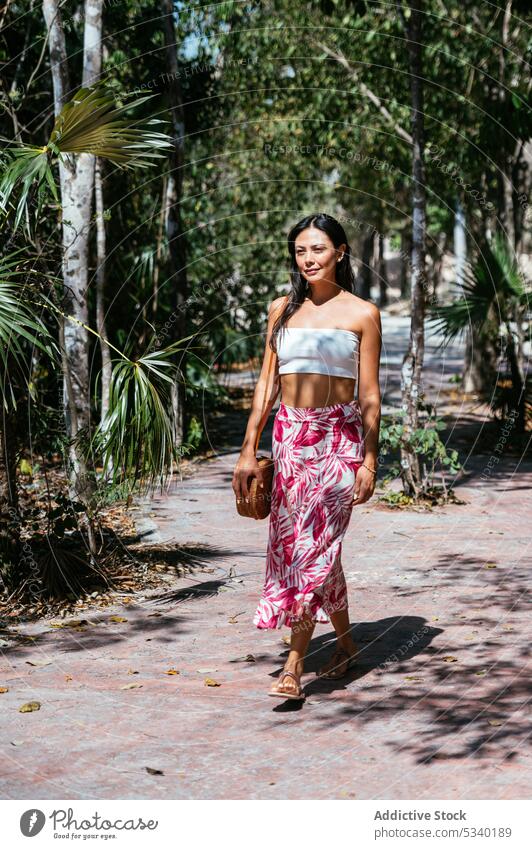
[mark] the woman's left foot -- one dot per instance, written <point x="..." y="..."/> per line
<point x="340" y="662"/>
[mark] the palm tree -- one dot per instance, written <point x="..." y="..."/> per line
<point x="492" y="298"/>
<point x="136" y="439"/>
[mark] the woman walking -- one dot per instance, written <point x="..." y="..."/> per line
<point x="325" y="442"/>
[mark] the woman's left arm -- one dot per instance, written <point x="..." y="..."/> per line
<point x="369" y="396"/>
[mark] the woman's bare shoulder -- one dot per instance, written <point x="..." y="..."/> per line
<point x="277" y="303"/>
<point x="364" y="314"/>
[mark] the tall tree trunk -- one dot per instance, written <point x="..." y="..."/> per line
<point x="413" y="361"/>
<point x="523" y="181"/>
<point x="481" y="355"/>
<point x="174" y="227"/>
<point x="404" y="263"/>
<point x="77" y="185"/>
<point x="159" y="252"/>
<point x="437" y="264"/>
<point x="365" y="276"/>
<point x="382" y="272"/>
<point x="101" y="258"/>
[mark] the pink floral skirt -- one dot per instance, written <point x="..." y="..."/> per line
<point x="317" y="452"/>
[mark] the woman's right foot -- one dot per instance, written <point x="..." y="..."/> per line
<point x="289" y="681"/>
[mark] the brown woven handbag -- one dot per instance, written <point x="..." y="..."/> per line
<point x="259" y="504"/>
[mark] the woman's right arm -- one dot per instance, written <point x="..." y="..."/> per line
<point x="247" y="466"/>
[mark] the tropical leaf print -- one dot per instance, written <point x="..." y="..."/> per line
<point x="316" y="452"/>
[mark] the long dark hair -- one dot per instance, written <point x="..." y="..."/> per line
<point x="345" y="277"/>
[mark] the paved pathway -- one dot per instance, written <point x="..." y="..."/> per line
<point x="437" y="708"/>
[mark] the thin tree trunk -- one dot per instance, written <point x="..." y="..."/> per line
<point x="365" y="277"/>
<point x="101" y="257"/>
<point x="523" y="181"/>
<point x="481" y="355"/>
<point x="508" y="159"/>
<point x="382" y="273"/>
<point x="438" y="263"/>
<point x="77" y="185"/>
<point x="174" y="228"/>
<point x="159" y="251"/>
<point x="406" y="250"/>
<point x="413" y="361"/>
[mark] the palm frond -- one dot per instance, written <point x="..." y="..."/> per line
<point x="490" y="281"/>
<point x="136" y="440"/>
<point x="89" y="123"/>
<point x="92" y="123"/>
<point x="30" y="169"/>
<point x="512" y="280"/>
<point x="19" y="324"/>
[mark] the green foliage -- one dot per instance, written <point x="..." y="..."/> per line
<point x="136" y="439"/>
<point x="424" y="441"/>
<point x="89" y="123"/>
<point x="20" y="326"/>
<point x="63" y="518"/>
<point x="492" y="288"/>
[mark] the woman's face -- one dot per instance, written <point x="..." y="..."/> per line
<point x="316" y="255"/>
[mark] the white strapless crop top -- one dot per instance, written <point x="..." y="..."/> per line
<point x="318" y="350"/>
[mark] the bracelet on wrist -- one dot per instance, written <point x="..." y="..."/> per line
<point x="374" y="471"/>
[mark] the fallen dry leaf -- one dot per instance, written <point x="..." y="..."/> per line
<point x="286" y="641"/>
<point x="117" y="619"/>
<point x="490" y="566"/>
<point x="249" y="658"/>
<point x="449" y="658"/>
<point x="4" y="689"/>
<point x="495" y="721"/>
<point x="210" y="682"/>
<point x="414" y="678"/>
<point x="153" y="771"/>
<point x="132" y="672"/>
<point x="39" y="662"/>
<point x="68" y="678"/>
<point x="205" y="669"/>
<point x="171" y="672"/>
<point x="71" y="623"/>
<point x="29" y="707"/>
<point x="130" y="686"/>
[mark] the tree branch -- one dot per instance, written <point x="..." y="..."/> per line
<point x="339" y="57"/>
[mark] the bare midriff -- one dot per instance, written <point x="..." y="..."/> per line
<point x="315" y="390"/>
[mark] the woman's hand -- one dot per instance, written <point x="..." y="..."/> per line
<point x="246" y="469"/>
<point x="364" y="485"/>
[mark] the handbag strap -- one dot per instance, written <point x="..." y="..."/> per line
<point x="262" y="421"/>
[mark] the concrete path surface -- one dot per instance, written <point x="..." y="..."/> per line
<point x="437" y="708"/>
